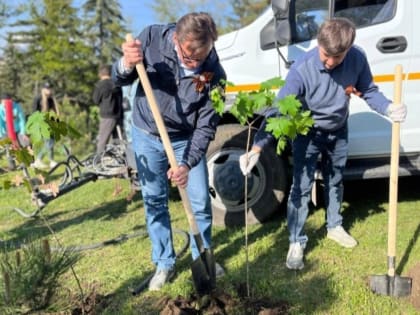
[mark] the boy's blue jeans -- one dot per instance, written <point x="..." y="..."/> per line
<point x="152" y="165"/>
<point x="333" y="148"/>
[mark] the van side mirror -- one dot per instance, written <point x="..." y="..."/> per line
<point x="282" y="25"/>
<point x="280" y="7"/>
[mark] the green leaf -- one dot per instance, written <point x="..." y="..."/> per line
<point x="289" y="105"/>
<point x="279" y="126"/>
<point x="291" y="122"/>
<point x="23" y="155"/>
<point x="281" y="145"/>
<point x="217" y="96"/>
<point x="37" y="127"/>
<point x="72" y="132"/>
<point x="271" y="84"/>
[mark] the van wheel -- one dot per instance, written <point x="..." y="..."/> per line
<point x="266" y="183"/>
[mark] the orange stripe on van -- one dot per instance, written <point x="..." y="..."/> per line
<point x="243" y="87"/>
<point x="376" y="79"/>
<point x="390" y="77"/>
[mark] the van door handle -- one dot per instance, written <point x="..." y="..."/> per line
<point x="389" y="45"/>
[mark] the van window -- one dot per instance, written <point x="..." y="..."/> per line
<point x="307" y="17"/>
<point x="365" y="12"/>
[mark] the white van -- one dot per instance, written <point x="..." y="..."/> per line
<point x="386" y="30"/>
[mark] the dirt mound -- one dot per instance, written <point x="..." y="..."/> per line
<point x="221" y="303"/>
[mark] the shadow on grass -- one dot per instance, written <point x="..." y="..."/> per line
<point x="364" y="198"/>
<point x="369" y="197"/>
<point x="35" y="228"/>
<point x="408" y="250"/>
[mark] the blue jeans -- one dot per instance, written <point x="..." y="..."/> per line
<point x="333" y="147"/>
<point x="152" y="165"/>
<point x="48" y="148"/>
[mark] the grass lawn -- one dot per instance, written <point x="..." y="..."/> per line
<point x="334" y="280"/>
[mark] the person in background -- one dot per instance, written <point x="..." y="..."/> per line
<point x="109" y="98"/>
<point x="44" y="103"/>
<point x="183" y="66"/>
<point x="18" y="124"/>
<point x="323" y="80"/>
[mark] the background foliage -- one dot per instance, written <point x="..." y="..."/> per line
<point x="54" y="41"/>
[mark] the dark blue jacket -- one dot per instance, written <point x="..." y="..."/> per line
<point x="185" y="111"/>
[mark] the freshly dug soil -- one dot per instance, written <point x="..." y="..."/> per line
<point x="217" y="303"/>
<point x="221" y="303"/>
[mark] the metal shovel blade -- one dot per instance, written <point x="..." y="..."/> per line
<point x="391" y="286"/>
<point x="203" y="270"/>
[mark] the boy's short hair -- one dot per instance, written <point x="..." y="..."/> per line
<point x="336" y="35"/>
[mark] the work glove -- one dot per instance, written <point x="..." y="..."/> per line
<point x="247" y="161"/>
<point x="397" y="112"/>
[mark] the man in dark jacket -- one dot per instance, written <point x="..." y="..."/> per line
<point x="183" y="67"/>
<point x="109" y="98"/>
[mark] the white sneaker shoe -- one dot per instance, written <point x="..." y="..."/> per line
<point x="339" y="235"/>
<point x="161" y="277"/>
<point x="38" y="164"/>
<point x="294" y="258"/>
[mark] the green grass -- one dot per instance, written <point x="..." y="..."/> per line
<point x="334" y="280"/>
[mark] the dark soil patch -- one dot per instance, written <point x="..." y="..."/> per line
<point x="221" y="303"/>
<point x="92" y="304"/>
<point x="217" y="303"/>
<point x="414" y="274"/>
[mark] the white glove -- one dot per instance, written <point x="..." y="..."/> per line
<point x="397" y="112"/>
<point x="247" y="161"/>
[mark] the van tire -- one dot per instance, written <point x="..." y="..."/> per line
<point x="266" y="185"/>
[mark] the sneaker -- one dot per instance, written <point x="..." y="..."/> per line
<point x="161" y="277"/>
<point x="295" y="256"/>
<point x="53" y="163"/>
<point x="38" y="164"/>
<point x="220" y="272"/>
<point x="339" y="235"/>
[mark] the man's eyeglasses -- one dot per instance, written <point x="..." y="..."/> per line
<point x="189" y="59"/>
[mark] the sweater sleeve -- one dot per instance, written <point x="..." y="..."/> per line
<point x="370" y="91"/>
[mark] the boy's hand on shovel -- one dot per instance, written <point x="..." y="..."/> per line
<point x="179" y="176"/>
<point x="397" y="112"/>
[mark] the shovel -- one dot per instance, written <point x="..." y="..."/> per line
<point x="203" y="268"/>
<point x="392" y="284"/>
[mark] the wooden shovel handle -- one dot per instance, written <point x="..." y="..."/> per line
<point x="144" y="79"/>
<point x="393" y="178"/>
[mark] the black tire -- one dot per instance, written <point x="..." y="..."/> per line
<point x="266" y="184"/>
